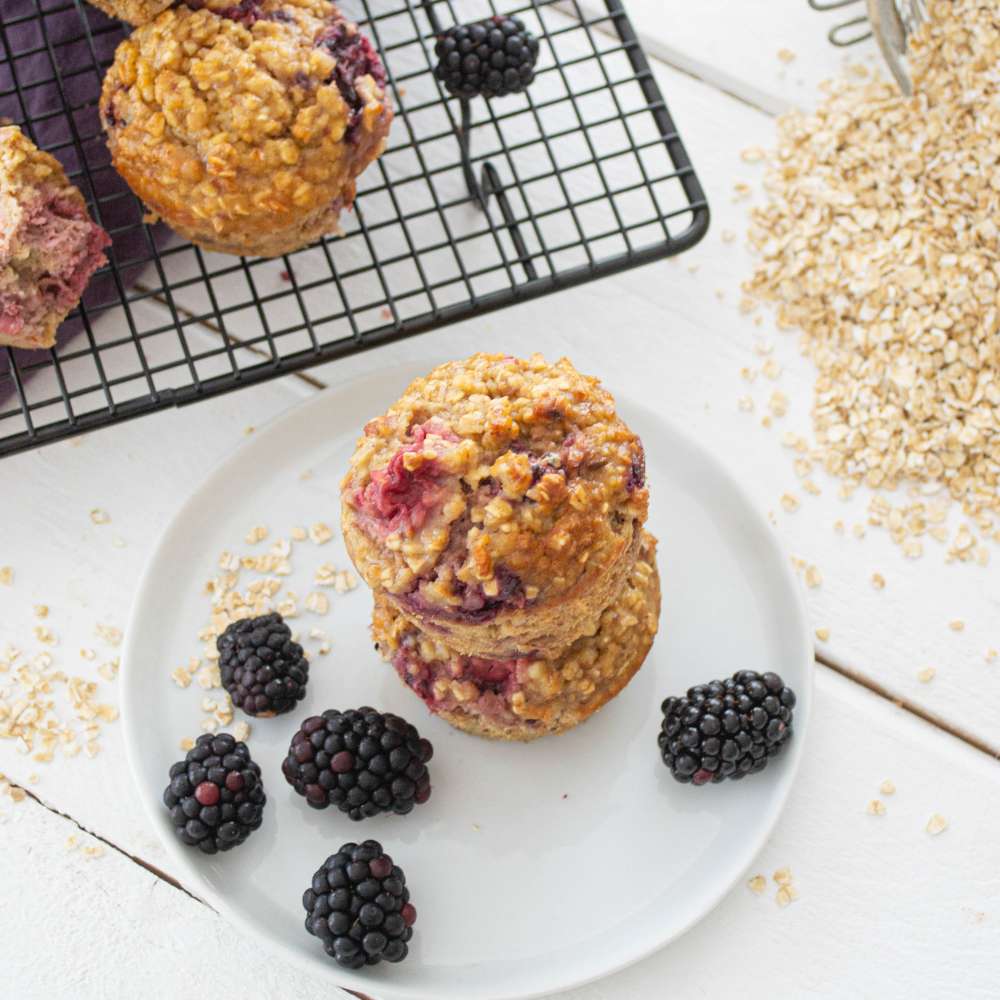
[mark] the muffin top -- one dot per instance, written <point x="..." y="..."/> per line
<point x="493" y="483"/>
<point x="263" y="110"/>
<point x="133" y="11"/>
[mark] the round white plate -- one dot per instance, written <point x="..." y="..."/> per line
<point x="534" y="867"/>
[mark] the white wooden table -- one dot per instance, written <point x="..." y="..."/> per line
<point x="885" y="909"/>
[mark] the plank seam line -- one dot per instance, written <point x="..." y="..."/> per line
<point x="932" y="718"/>
<point x="151" y="868"/>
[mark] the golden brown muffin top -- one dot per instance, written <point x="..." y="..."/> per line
<point x="252" y="112"/>
<point x="494" y="481"/>
<point x="133" y="11"/>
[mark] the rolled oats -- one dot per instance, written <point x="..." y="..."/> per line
<point x="879" y="242"/>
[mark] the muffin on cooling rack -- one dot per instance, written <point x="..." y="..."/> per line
<point x="49" y="245"/>
<point x="133" y="11"/>
<point x="522" y="698"/>
<point x="498" y="504"/>
<point x="245" y="126"/>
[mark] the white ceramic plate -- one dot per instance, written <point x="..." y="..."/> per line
<point x="535" y="867"/>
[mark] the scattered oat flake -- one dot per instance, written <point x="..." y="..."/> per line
<point x="241" y="731"/>
<point x="887" y="787"/>
<point x="957" y="625"/>
<point x="790" y="502"/>
<point x="813" y="577"/>
<point x="186" y="743"/>
<point x="785" y="895"/>
<point x="180" y="677"/>
<point x="783" y="876"/>
<point x="876" y="808"/>
<point x="878" y="581"/>
<point x="17" y="794"/>
<point x="745" y="403"/>
<point x="299" y="534"/>
<point x="6" y="575"/>
<point x="990" y="655"/>
<point x="92" y="852"/>
<point x="256" y="534"/>
<point x="99" y="516"/>
<point x="926" y="675"/>
<point x="324" y="649"/>
<point x="71" y="842"/>
<point x="317" y="602"/>
<point x="822" y="634"/>
<point x="786" y="56"/>
<point x="320" y="533"/>
<point x="111" y="635"/>
<point x="41" y="610"/>
<point x="86" y="653"/>
<point x="936" y="824"/>
<point x="753" y="154"/>
<point x="44" y="635"/>
<point x="757" y="884"/>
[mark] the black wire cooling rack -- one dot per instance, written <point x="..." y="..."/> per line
<point x="470" y="209"/>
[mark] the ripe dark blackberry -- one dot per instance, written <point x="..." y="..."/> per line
<point x="359" y="906"/>
<point x="491" y="58"/>
<point x="726" y="729"/>
<point x="215" y="796"/>
<point x="264" y="672"/>
<point x="362" y="761"/>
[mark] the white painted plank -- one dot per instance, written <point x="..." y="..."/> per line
<point x="884" y="909"/>
<point x="735" y="46"/>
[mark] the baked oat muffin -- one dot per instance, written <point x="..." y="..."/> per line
<point x="244" y="126"/>
<point x="526" y="697"/>
<point x="499" y="504"/>
<point x="49" y="245"/>
<point x="133" y="11"/>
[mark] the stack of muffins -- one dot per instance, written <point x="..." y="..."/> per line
<point x="497" y="511"/>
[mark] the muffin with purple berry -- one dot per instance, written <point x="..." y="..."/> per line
<point x="245" y="125"/>
<point x="528" y="696"/>
<point x="498" y="504"/>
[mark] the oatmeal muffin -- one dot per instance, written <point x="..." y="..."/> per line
<point x="244" y="126"/>
<point x="49" y="245"/>
<point x="133" y="11"/>
<point x="522" y="698"/>
<point x="499" y="504"/>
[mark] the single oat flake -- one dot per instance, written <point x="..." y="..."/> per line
<point x="757" y="884"/>
<point x="887" y="787"/>
<point x="936" y="824"/>
<point x="876" y="808"/>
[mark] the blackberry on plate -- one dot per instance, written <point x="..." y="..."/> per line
<point x="263" y="670"/>
<point x="362" y="761"/>
<point x="726" y="729"/>
<point x="215" y="796"/>
<point x="490" y="58"/>
<point x="359" y="907"/>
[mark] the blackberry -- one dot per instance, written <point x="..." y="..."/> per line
<point x="726" y="729"/>
<point x="215" y="796"/>
<point x="359" y="906"/>
<point x="362" y="761"/>
<point x="490" y="58"/>
<point x="264" y="672"/>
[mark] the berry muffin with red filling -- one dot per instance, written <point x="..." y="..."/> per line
<point x="244" y="126"/>
<point x="498" y="504"/>
<point x="49" y="245"/>
<point x="522" y="698"/>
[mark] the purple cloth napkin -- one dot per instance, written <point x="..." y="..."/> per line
<point x="53" y="54"/>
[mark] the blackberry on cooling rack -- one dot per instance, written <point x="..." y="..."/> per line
<point x="362" y="761"/>
<point x="726" y="729"/>
<point x="263" y="670"/>
<point x="359" y="907"/>
<point x="490" y="58"/>
<point x="215" y="796"/>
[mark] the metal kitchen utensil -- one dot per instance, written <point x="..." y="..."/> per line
<point x="891" y="22"/>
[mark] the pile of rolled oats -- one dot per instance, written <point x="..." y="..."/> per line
<point x="251" y="584"/>
<point x="880" y="241"/>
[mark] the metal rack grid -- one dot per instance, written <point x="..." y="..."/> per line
<point x="471" y="208"/>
